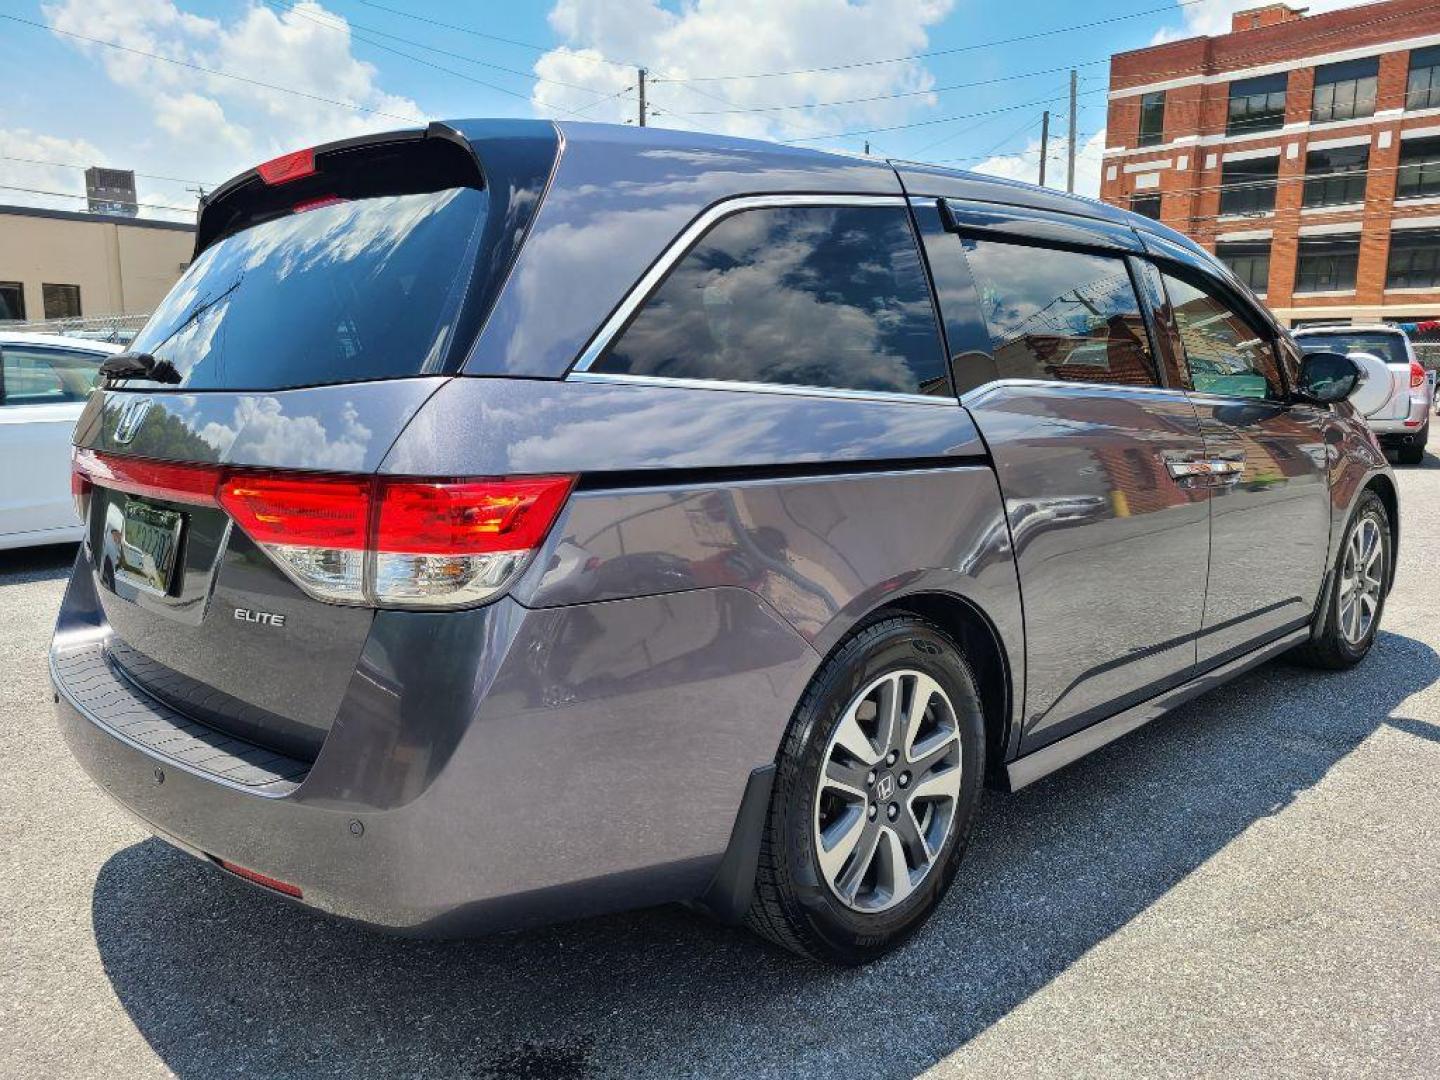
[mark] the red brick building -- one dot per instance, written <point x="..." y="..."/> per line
<point x="1303" y="149"/>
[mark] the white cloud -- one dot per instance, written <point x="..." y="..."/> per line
<point x="1213" y="16"/>
<point x="209" y="127"/>
<point x="1025" y="165"/>
<point x="30" y="146"/>
<point x="714" y="37"/>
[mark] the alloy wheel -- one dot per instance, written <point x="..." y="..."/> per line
<point x="886" y="798"/>
<point x="1361" y="581"/>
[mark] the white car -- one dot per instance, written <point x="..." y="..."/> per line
<point x="1395" y="395"/>
<point x="44" y="381"/>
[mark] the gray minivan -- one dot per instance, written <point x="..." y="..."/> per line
<point x="508" y="521"/>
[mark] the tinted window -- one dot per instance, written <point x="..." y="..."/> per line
<point x="12" y="300"/>
<point x="804" y="296"/>
<point x="1346" y="90"/>
<point x="1152" y="118"/>
<point x="1248" y="187"/>
<point x="1060" y="315"/>
<point x="1146" y="206"/>
<point x="61" y="301"/>
<point x="46" y="376"/>
<point x="1419" y="172"/>
<point x="1327" y="265"/>
<point x="1389" y="347"/>
<point x="1337" y="176"/>
<point x="1249" y="261"/>
<point x="1224" y="352"/>
<point x="1414" y="260"/>
<point x="1256" y="104"/>
<point x="1422" y="89"/>
<point x="368" y="289"/>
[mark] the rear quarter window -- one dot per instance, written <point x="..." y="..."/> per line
<point x="831" y="297"/>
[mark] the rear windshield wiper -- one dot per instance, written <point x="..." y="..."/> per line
<point x="139" y="365"/>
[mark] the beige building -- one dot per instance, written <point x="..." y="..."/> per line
<point x="58" y="264"/>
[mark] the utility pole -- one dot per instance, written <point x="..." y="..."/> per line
<point x="1044" y="143"/>
<point x="642" y="97"/>
<point x="867" y="147"/>
<point x="1070" y="164"/>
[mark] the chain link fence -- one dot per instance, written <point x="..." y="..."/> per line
<point x="120" y="329"/>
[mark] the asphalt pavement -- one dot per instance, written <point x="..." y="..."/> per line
<point x="1249" y="887"/>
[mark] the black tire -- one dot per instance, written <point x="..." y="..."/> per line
<point x="1331" y="649"/>
<point x="793" y="905"/>
<point x="1413" y="453"/>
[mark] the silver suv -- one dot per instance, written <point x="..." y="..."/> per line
<point x="1395" y="394"/>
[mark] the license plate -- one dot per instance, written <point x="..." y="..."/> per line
<point x="149" y="544"/>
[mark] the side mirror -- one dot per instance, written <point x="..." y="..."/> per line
<point x="1328" y="377"/>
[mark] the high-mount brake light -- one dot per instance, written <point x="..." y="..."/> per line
<point x="287" y="167"/>
<point x="1417" y="375"/>
<point x="318" y="203"/>
<point x="387" y="541"/>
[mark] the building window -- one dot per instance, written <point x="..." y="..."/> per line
<point x="1336" y="177"/>
<point x="1248" y="187"/>
<point x="1423" y="89"/>
<point x="1146" y="206"/>
<point x="1152" y="118"/>
<point x="1257" y="104"/>
<point x="61" y="301"/>
<point x="1249" y="261"/>
<point x="1419" y="172"/>
<point x="12" y="300"/>
<point x="1327" y="265"/>
<point x="1414" y="260"/>
<point x="1346" y="90"/>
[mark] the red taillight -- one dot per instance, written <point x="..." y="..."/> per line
<point x="80" y="488"/>
<point x="1417" y="375"/>
<point x="468" y="517"/>
<point x="261" y="879"/>
<point x="288" y="167"/>
<point x="157" y="479"/>
<point x="403" y="542"/>
<point x="322" y="511"/>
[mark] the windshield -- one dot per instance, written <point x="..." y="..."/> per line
<point x="1388" y="347"/>
<point x="346" y="292"/>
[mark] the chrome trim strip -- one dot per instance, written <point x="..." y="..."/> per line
<point x="975" y="395"/>
<point x="647" y="284"/>
<point x="763" y="388"/>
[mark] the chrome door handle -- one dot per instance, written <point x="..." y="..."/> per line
<point x="1222" y="470"/>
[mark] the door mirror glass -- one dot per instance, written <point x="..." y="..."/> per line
<point x="1327" y="377"/>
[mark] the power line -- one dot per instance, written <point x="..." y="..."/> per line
<point x="941" y="120"/>
<point x="215" y="71"/>
<point x="69" y="165"/>
<point x="72" y="195"/>
<point x="939" y="52"/>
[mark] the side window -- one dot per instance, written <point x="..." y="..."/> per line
<point x="46" y="376"/>
<point x="1060" y="314"/>
<point x="1224" y="352"/>
<point x="805" y="296"/>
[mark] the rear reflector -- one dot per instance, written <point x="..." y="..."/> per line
<point x="288" y="167"/>
<point x="1417" y="375"/>
<point x="260" y="879"/>
<point x="386" y="541"/>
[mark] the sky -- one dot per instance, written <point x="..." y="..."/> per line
<point x="190" y="92"/>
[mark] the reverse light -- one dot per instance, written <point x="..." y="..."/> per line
<point x="383" y="541"/>
<point x="1417" y="375"/>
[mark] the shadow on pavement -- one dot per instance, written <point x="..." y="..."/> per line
<point x="223" y="979"/>
<point x="36" y="563"/>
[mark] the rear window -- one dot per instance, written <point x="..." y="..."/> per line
<point x="805" y="296"/>
<point x="345" y="292"/>
<point x="1388" y="347"/>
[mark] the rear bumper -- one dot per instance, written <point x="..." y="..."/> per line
<point x="1409" y="428"/>
<point x="554" y="770"/>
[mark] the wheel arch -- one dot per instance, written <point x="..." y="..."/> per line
<point x="981" y="645"/>
<point x="1384" y="486"/>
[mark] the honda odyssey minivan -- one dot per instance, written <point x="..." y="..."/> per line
<point x="509" y="521"/>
